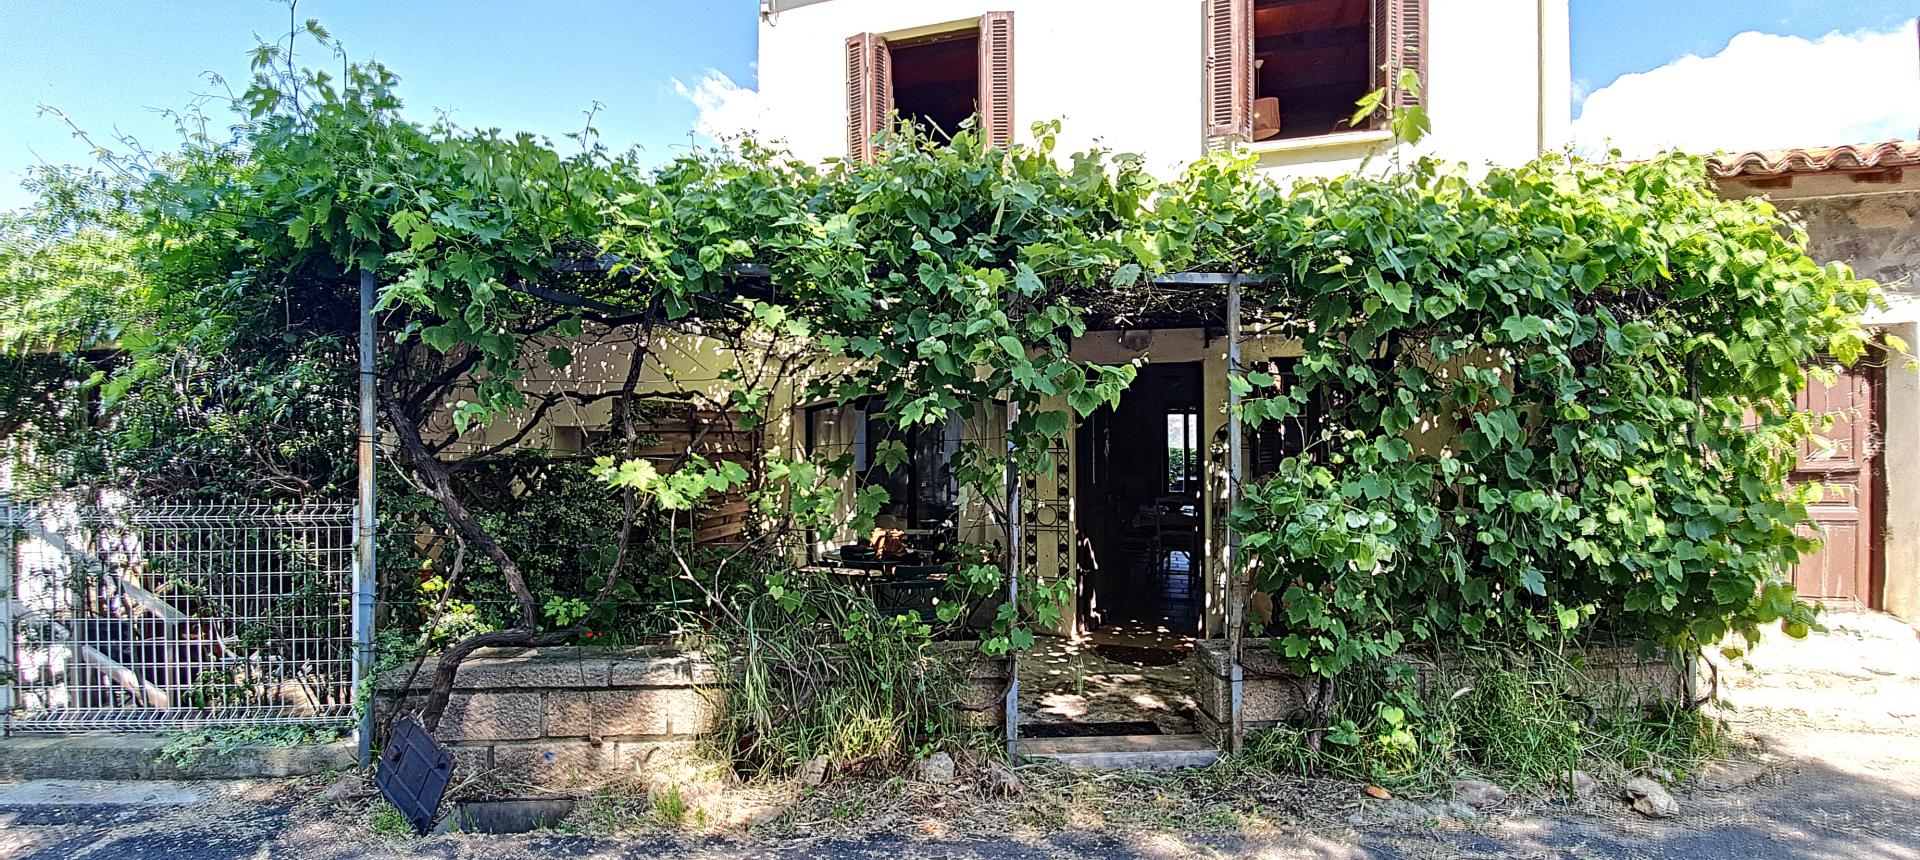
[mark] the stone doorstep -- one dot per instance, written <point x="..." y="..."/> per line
<point x="1125" y="752"/>
<point x="137" y="757"/>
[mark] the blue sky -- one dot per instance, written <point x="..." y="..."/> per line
<point x="1614" y="37"/>
<point x="532" y="66"/>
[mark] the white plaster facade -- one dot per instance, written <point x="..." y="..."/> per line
<point x="1498" y="77"/>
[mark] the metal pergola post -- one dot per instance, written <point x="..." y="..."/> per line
<point x="364" y="579"/>
<point x="1012" y="703"/>
<point x="1236" y="590"/>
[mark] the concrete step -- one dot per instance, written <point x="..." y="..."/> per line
<point x="1125" y="752"/>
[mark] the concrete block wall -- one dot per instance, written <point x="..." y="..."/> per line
<point x="1271" y="694"/>
<point x="560" y="716"/>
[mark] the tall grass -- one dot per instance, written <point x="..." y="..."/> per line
<point x="1525" y="718"/>
<point x="829" y="674"/>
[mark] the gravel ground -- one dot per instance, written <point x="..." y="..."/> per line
<point x="1834" y="723"/>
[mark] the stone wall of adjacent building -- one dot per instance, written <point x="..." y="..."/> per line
<point x="1872" y="222"/>
<point x="557" y="716"/>
<point x="1877" y="232"/>
<point x="1272" y="694"/>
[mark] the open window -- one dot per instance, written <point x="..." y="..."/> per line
<point x="1278" y="69"/>
<point x="936" y="81"/>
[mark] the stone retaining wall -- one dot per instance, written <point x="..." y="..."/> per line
<point x="562" y="715"/>
<point x="1271" y="694"/>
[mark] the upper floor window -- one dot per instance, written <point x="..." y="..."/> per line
<point x="935" y="81"/>
<point x="1278" y="69"/>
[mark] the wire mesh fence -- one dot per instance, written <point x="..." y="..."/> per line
<point x="148" y="617"/>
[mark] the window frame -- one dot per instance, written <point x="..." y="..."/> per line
<point x="1228" y="75"/>
<point x="869" y="81"/>
<point x="863" y="444"/>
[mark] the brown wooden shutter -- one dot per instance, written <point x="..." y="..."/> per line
<point x="1400" y="42"/>
<point x="996" y="79"/>
<point x="882" y="104"/>
<point x="1227" y="69"/>
<point x="869" y="92"/>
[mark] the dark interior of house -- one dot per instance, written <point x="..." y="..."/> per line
<point x="1141" y="468"/>
<point x="936" y="80"/>
<point x="1313" y="59"/>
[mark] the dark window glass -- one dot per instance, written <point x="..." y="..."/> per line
<point x="922" y="492"/>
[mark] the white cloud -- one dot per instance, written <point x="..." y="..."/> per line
<point x="727" y="110"/>
<point x="1762" y="92"/>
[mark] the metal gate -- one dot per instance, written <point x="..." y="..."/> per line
<point x="146" y="618"/>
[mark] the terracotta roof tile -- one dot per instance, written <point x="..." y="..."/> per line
<point x="1780" y="162"/>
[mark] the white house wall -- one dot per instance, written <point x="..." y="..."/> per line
<point x="1498" y="78"/>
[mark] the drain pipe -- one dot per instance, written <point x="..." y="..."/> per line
<point x="364" y="580"/>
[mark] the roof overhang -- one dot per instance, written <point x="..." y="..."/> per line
<point x="1863" y="162"/>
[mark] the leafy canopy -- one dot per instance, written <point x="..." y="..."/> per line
<point x="1557" y="393"/>
<point x="1556" y="396"/>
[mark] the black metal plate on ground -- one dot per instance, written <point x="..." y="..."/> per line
<point x="413" y="773"/>
<point x="1138" y="656"/>
<point x="1088" y="730"/>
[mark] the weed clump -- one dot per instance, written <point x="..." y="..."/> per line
<point x="1526" y="719"/>
<point x="831" y="676"/>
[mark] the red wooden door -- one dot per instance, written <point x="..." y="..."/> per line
<point x="1842" y="570"/>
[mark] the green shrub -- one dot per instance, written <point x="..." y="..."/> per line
<point x="1559" y="398"/>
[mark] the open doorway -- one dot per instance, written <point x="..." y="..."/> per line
<point x="1139" y="508"/>
<point x="1123" y="678"/>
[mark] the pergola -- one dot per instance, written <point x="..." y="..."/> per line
<point x="755" y="279"/>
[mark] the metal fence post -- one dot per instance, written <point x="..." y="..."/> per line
<point x="9" y="658"/>
<point x="364" y="580"/>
